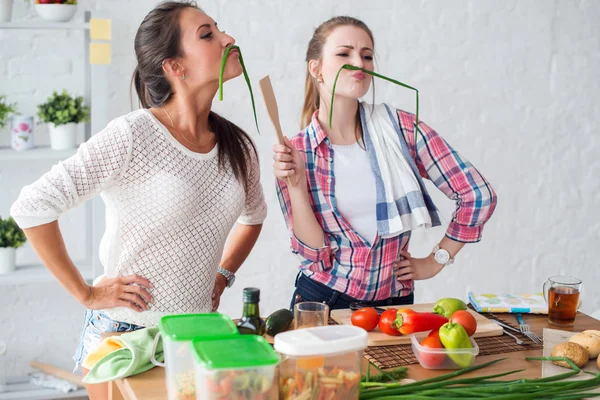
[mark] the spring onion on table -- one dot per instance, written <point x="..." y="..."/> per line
<point x="444" y="387"/>
<point x="223" y="62"/>
<point x="375" y="74"/>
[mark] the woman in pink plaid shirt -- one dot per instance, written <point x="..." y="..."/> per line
<point x="352" y="194"/>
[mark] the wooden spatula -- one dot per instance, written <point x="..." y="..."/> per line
<point x="269" y="96"/>
<point x="271" y="103"/>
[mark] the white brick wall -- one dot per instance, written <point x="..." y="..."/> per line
<point x="510" y="84"/>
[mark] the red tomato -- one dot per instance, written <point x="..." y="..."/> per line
<point x="385" y="322"/>
<point x="429" y="359"/>
<point x="466" y="319"/>
<point x="434" y="333"/>
<point x="366" y="318"/>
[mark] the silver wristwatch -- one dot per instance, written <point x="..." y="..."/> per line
<point x="442" y="256"/>
<point x="230" y="276"/>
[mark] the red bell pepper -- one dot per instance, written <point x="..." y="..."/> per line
<point x="409" y="321"/>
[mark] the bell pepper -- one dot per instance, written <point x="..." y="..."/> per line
<point x="454" y="336"/>
<point x="408" y="321"/>
<point x="448" y="306"/>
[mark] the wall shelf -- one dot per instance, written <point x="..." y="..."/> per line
<point x="37" y="153"/>
<point x="37" y="273"/>
<point x="94" y="88"/>
<point x="44" y="25"/>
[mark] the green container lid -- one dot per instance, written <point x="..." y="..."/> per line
<point x="243" y="351"/>
<point x="185" y="327"/>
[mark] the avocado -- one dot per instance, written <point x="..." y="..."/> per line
<point x="278" y="322"/>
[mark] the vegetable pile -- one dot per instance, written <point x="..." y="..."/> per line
<point x="450" y="326"/>
<point x="487" y="387"/>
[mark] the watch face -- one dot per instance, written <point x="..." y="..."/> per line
<point x="230" y="281"/>
<point x="442" y="256"/>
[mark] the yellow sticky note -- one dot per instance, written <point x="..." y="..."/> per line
<point x="99" y="53"/>
<point x="100" y="29"/>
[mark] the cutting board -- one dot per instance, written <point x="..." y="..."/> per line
<point x="552" y="337"/>
<point x="485" y="327"/>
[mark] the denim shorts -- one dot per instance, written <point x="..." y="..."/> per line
<point x="308" y="289"/>
<point x="95" y="323"/>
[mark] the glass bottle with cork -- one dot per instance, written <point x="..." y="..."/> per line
<point x="251" y="323"/>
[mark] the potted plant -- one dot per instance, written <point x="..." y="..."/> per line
<point x="63" y="112"/>
<point x="6" y="7"/>
<point x="6" y="111"/>
<point x="11" y="237"/>
<point x="56" y="10"/>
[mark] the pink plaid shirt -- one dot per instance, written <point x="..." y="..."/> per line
<point x="347" y="262"/>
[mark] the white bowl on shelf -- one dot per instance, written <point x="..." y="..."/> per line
<point x="56" y="12"/>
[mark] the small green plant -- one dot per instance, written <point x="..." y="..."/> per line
<point x="6" y="111"/>
<point x="10" y="233"/>
<point x="61" y="109"/>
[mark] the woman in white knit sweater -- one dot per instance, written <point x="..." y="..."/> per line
<point x="175" y="178"/>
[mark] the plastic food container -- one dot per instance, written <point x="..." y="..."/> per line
<point x="241" y="368"/>
<point x="178" y="332"/>
<point x="322" y="362"/>
<point x="441" y="358"/>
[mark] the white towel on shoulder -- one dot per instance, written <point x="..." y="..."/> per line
<point x="400" y="202"/>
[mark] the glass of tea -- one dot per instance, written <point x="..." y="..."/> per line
<point x="562" y="295"/>
<point x="309" y="314"/>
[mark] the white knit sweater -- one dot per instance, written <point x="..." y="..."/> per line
<point x="168" y="210"/>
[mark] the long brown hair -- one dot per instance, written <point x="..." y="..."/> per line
<point x="315" y="52"/>
<point x="159" y="38"/>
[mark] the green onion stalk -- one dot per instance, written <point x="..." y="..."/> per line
<point x="484" y="387"/>
<point x="223" y="62"/>
<point x="375" y="74"/>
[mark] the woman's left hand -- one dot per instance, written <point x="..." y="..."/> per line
<point x="407" y="268"/>
<point x="220" y="284"/>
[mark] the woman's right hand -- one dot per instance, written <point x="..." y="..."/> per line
<point x="123" y="291"/>
<point x="288" y="163"/>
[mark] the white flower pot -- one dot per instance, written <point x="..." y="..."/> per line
<point x="5" y="10"/>
<point x="21" y="133"/>
<point x="63" y="137"/>
<point x="7" y="259"/>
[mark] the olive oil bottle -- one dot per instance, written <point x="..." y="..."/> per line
<point x="251" y="323"/>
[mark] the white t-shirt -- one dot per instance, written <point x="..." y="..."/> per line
<point x="355" y="189"/>
<point x="168" y="210"/>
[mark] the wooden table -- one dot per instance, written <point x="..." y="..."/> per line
<point x="151" y="384"/>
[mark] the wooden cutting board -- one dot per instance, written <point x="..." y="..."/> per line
<point x="485" y="327"/>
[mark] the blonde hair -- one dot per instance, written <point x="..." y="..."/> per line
<point x="314" y="52"/>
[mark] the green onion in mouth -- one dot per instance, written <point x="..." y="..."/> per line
<point x="375" y="74"/>
<point x="223" y="62"/>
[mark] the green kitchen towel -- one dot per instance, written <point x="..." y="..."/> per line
<point x="131" y="359"/>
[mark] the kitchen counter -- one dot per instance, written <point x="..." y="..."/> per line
<point x="151" y="384"/>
